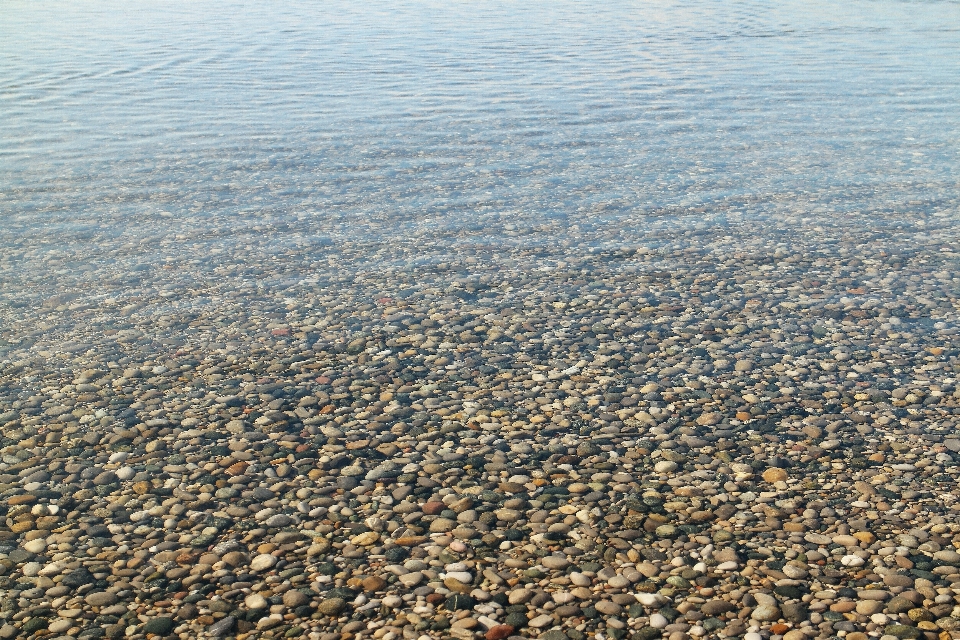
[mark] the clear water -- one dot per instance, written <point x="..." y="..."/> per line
<point x="363" y="137"/>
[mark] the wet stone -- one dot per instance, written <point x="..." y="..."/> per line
<point x="222" y="627"/>
<point x="902" y="631"/>
<point x="101" y="598"/>
<point x="160" y="626"/>
<point x="332" y="606"/>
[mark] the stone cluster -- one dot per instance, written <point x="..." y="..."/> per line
<point x="693" y="437"/>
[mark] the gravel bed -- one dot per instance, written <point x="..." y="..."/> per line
<point x="743" y="432"/>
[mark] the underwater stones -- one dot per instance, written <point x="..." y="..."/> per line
<point x="410" y="446"/>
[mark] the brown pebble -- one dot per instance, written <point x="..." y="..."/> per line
<point x="373" y="583"/>
<point x="499" y="632"/>
<point x="433" y="508"/>
<point x="773" y="474"/>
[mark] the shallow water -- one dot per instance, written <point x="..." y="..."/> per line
<point x="412" y="134"/>
<point x="273" y="271"/>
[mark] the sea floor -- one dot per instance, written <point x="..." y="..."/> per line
<point x="700" y="435"/>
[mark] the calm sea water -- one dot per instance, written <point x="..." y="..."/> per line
<point x="134" y="133"/>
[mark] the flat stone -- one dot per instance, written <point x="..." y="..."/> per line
<point x="222" y="627"/>
<point x="902" y="631"/>
<point x="263" y="562"/>
<point x="101" y="599"/>
<point x="411" y="579"/>
<point x="255" y="601"/>
<point x="766" y="613"/>
<point x="555" y="563"/>
<point x="365" y="539"/>
<point x="373" y="583"/>
<point x="499" y="632"/>
<point x="160" y="626"/>
<point x="38" y="545"/>
<point x="608" y="608"/>
<point x="442" y="525"/>
<point x="433" y="508"/>
<point x="897" y="580"/>
<point x="332" y="606"/>
<point x="295" y="598"/>
<point x="717" y="607"/>
<point x="541" y="621"/>
<point x="773" y="474"/>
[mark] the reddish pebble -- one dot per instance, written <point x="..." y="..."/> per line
<point x="499" y="632"/>
<point x="434" y="598"/>
<point x="433" y="508"/>
<point x="323" y="380"/>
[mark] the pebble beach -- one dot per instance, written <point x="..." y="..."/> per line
<point x="261" y="414"/>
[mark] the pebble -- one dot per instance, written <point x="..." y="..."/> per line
<point x="411" y="579"/>
<point x="159" y="626"/>
<point x="608" y="608"/>
<point x="255" y="601"/>
<point x="263" y="562"/>
<point x="295" y="598"/>
<point x="657" y="621"/>
<point x="332" y="606"/>
<point x="499" y="632"/>
<point x="101" y="599"/>
<point x="222" y="627"/>
<point x="766" y="613"/>
<point x="773" y="475"/>
<point x="541" y="621"/>
<point x="37" y="545"/>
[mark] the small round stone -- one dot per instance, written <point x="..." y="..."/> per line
<point x="332" y="606"/>
<point x="263" y="562"/>
<point x="774" y="474"/>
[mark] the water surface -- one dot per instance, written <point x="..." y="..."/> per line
<point x="399" y="135"/>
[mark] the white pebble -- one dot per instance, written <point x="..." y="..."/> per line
<point x="461" y="576"/>
<point x="392" y="602"/>
<point x="851" y="561"/>
<point x="658" y="621"/>
<point x="665" y="466"/>
<point x="650" y="599"/>
<point x="263" y="561"/>
<point x="38" y="545"/>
